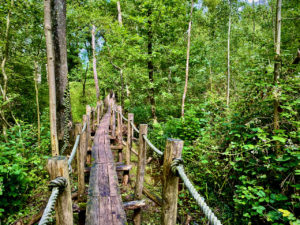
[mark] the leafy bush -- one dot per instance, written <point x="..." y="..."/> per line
<point x="22" y="165"/>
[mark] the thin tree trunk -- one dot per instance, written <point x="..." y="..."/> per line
<point x="37" y="101"/>
<point x="3" y="64"/>
<point x="151" y="67"/>
<point x="253" y="8"/>
<point x="228" y="57"/>
<point x="51" y="76"/>
<point x="84" y="80"/>
<point x="187" y="61"/>
<point x="95" y="63"/>
<point x="121" y="70"/>
<point x="119" y="13"/>
<point x="277" y="64"/>
<point x="63" y="107"/>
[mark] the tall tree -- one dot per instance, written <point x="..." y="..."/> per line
<point x="36" y="77"/>
<point x="95" y="63"/>
<point x="277" y="64"/>
<point x="187" y="60"/>
<point x="3" y="69"/>
<point x="150" y="64"/>
<point x="61" y="72"/>
<point x="51" y="76"/>
<point x="228" y="55"/>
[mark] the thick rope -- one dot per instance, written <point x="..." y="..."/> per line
<point x="73" y="152"/>
<point x="57" y="185"/>
<point x="152" y="146"/>
<point x="177" y="165"/>
<point x="84" y="127"/>
<point x="121" y="115"/>
<point x="134" y="127"/>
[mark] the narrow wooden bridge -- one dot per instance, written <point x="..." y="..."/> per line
<point x="104" y="204"/>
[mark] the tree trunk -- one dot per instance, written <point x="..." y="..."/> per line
<point x="151" y="67"/>
<point x="95" y="63"/>
<point x="187" y="60"/>
<point x="119" y="13"/>
<point x="37" y="101"/>
<point x="5" y="78"/>
<point x="228" y="56"/>
<point x="63" y="107"/>
<point x="277" y="64"/>
<point x="84" y="80"/>
<point x="51" y="76"/>
<point x="120" y="69"/>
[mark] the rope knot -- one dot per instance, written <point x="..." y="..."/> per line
<point x="59" y="182"/>
<point x="175" y="163"/>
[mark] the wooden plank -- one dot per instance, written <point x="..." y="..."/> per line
<point x="105" y="211"/>
<point x="104" y="201"/>
<point x="118" y="213"/>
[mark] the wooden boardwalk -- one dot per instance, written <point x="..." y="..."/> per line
<point x="104" y="204"/>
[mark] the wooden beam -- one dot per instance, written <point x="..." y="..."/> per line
<point x="170" y="182"/>
<point x="58" y="167"/>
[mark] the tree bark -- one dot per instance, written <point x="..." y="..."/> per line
<point x="277" y="64"/>
<point x="3" y="64"/>
<point x="84" y="80"/>
<point x="95" y="63"/>
<point x="119" y="13"/>
<point x="51" y="76"/>
<point x="151" y="67"/>
<point x="63" y="107"/>
<point x="228" y="56"/>
<point x="187" y="60"/>
<point x="37" y="100"/>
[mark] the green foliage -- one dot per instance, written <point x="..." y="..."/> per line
<point x="22" y="165"/>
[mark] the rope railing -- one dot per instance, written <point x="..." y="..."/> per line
<point x="178" y="167"/>
<point x="134" y="127"/>
<point x="57" y="185"/>
<point x="75" y="147"/>
<point x="152" y="146"/>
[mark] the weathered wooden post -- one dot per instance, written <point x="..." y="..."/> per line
<point x="140" y="172"/>
<point x="78" y="128"/>
<point x="81" y="157"/>
<point x="120" y="132"/>
<point x="170" y="182"/>
<point x="128" y="147"/>
<point x="98" y="111"/>
<point x="88" y="128"/>
<point x="113" y="119"/>
<point x="93" y="119"/>
<point x="58" y="167"/>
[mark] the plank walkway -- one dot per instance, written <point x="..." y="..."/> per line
<point x="104" y="205"/>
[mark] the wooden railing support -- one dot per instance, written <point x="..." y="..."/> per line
<point x="120" y="132"/>
<point x="128" y="147"/>
<point x="81" y="157"/>
<point x="140" y="172"/>
<point x="89" y="130"/>
<point x="170" y="182"/>
<point x="98" y="112"/>
<point x="58" y="167"/>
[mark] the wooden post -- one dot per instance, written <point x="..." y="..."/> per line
<point x="58" y="167"/>
<point x="140" y="172"/>
<point x="170" y="182"/>
<point x="78" y="128"/>
<point x="93" y="119"/>
<point x="120" y="132"/>
<point x="98" y="111"/>
<point x="128" y="147"/>
<point x="101" y="109"/>
<point x="81" y="156"/>
<point x="88" y="129"/>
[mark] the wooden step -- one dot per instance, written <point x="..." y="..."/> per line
<point x="134" y="204"/>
